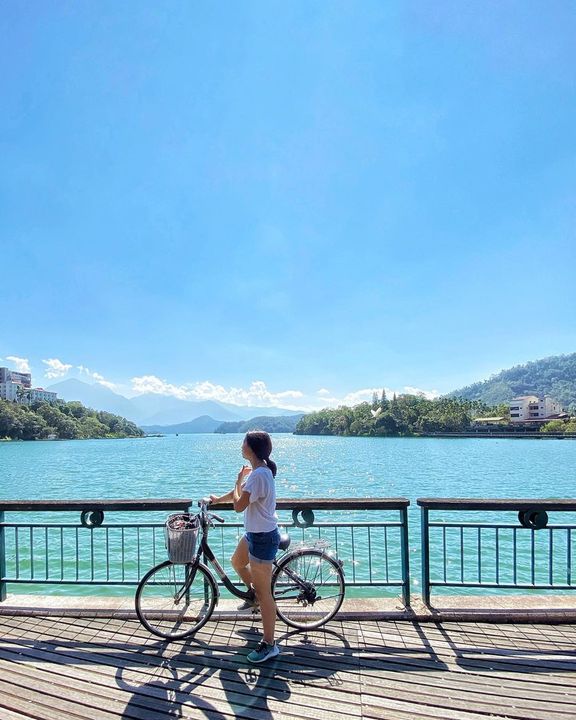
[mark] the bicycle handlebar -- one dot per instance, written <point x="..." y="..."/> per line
<point x="203" y="505"/>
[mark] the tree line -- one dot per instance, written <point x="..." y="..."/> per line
<point x="62" y="420"/>
<point x="402" y="415"/>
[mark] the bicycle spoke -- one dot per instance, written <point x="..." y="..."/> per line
<point x="299" y="585"/>
<point x="171" y="603"/>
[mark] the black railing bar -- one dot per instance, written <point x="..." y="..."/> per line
<point x="561" y="505"/>
<point x="369" y="556"/>
<point x="32" y="552"/>
<point x="138" y="504"/>
<point x="17" y="552"/>
<point x="61" y="554"/>
<point x="507" y="586"/>
<point x="30" y="581"/>
<point x="515" y="555"/>
<point x="107" y="555"/>
<point x="226" y="525"/>
<point x="497" y="550"/>
<point x="493" y="525"/>
<point x="47" y="554"/>
<point x="551" y="557"/>
<point x="462" y="554"/>
<point x="112" y="505"/>
<point x="569" y="556"/>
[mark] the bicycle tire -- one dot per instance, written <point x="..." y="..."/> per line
<point x="308" y="588"/>
<point x="156" y="600"/>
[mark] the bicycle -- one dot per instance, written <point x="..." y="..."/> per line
<point x="174" y="600"/>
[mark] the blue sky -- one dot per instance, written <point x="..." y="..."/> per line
<point x="286" y="203"/>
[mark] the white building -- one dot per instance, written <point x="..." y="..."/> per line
<point x="39" y="395"/>
<point x="23" y="379"/>
<point x="17" y="387"/>
<point x="529" y="408"/>
<point x="9" y="391"/>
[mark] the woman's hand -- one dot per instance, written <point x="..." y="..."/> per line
<point x="246" y="470"/>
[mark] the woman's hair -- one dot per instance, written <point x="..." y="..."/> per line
<point x="259" y="442"/>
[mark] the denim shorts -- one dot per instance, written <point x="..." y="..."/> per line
<point x="263" y="546"/>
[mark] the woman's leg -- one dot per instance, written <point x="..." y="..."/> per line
<point x="261" y="579"/>
<point x="241" y="562"/>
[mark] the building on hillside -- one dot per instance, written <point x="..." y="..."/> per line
<point x="39" y="395"/>
<point x="17" y="387"/>
<point x="529" y="408"/>
<point x="490" y="421"/>
<point x="9" y="391"/>
<point x="23" y="379"/>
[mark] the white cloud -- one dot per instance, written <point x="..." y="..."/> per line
<point x="365" y="395"/>
<point x="56" y="368"/>
<point x="100" y="379"/>
<point x="256" y="394"/>
<point x="428" y="394"/>
<point x="22" y="364"/>
<point x="359" y="396"/>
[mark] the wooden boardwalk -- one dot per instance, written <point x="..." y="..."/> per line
<point x="104" y="669"/>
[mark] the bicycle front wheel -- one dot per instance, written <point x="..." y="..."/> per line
<point x="174" y="601"/>
<point x="308" y="588"/>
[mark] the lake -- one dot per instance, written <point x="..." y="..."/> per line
<point x="195" y="465"/>
<point x="192" y="466"/>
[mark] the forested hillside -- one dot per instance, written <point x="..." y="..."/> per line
<point x="403" y="415"/>
<point x="62" y="420"/>
<point x="271" y="424"/>
<point x="554" y="376"/>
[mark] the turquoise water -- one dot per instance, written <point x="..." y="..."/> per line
<point x="192" y="466"/>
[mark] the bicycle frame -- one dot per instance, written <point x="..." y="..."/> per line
<point x="205" y="551"/>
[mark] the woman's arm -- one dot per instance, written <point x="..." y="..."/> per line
<point x="222" y="498"/>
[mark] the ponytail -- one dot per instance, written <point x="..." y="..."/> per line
<point x="272" y="465"/>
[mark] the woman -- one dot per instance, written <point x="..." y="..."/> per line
<point x="254" y="494"/>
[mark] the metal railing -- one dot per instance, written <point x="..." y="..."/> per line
<point x="93" y="551"/>
<point x="523" y="553"/>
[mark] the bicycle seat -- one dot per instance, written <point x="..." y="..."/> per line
<point x="284" y="541"/>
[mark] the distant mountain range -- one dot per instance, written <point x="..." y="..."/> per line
<point x="554" y="376"/>
<point x="153" y="410"/>
<point x="206" y="424"/>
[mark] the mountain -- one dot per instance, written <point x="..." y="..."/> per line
<point x="164" y="410"/>
<point x="153" y="409"/>
<point x="274" y="424"/>
<point x="96" y="397"/>
<point x="554" y="376"/>
<point x="202" y="424"/>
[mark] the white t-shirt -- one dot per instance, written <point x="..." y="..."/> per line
<point x="260" y="515"/>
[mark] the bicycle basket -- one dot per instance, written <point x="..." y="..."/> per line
<point x="181" y="531"/>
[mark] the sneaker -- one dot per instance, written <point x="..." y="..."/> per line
<point x="263" y="652"/>
<point x="250" y="604"/>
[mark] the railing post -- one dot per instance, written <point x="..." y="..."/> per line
<point x="2" y="559"/>
<point x="405" y="556"/>
<point x="425" y="556"/>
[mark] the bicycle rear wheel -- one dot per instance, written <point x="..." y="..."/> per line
<point x="171" y="603"/>
<point x="308" y="588"/>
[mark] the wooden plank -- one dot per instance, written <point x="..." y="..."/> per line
<point x="237" y="690"/>
<point x="310" y="702"/>
<point x="379" y="670"/>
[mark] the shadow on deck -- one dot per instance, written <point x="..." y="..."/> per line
<point x="108" y="668"/>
